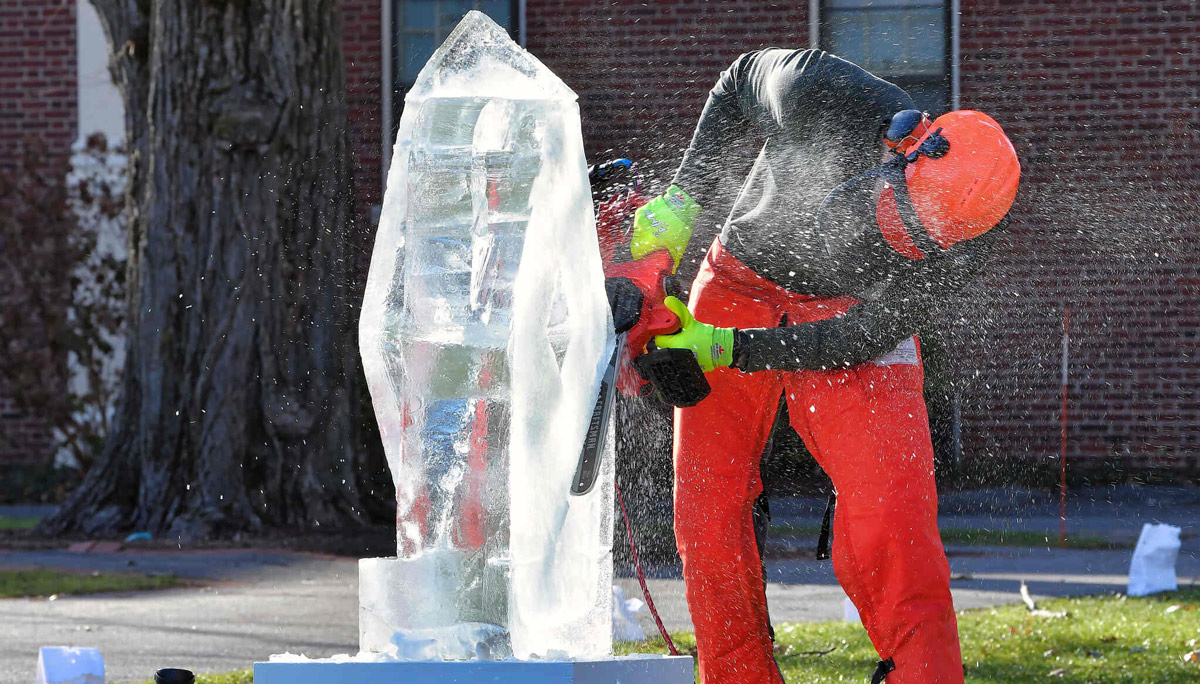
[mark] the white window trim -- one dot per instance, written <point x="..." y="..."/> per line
<point x="814" y="24"/>
<point x="814" y="42"/>
<point x="389" y="47"/>
<point x="385" y="118"/>
<point x="521" y="37"/>
<point x="955" y="52"/>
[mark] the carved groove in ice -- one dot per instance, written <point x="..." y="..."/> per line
<point x="483" y="334"/>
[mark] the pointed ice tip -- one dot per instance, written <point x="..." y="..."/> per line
<point x="478" y="59"/>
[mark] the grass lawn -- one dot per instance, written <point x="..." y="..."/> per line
<point x="1026" y="538"/>
<point x="239" y="677"/>
<point x="984" y="537"/>
<point x="43" y="582"/>
<point x="1105" y="640"/>
<point x="19" y="522"/>
<point x="243" y="677"/>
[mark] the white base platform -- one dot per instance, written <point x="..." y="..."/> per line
<point x="638" y="669"/>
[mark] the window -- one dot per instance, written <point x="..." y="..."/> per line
<point x="904" y="41"/>
<point x="420" y="26"/>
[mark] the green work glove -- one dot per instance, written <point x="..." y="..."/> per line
<point x="664" y="222"/>
<point x="712" y="346"/>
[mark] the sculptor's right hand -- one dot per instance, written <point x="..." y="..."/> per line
<point x="664" y="222"/>
<point x="712" y="346"/>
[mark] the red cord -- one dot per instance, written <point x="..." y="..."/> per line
<point x="637" y="564"/>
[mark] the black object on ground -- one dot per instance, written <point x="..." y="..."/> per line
<point x="174" y="675"/>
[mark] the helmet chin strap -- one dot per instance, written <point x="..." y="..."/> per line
<point x="892" y="172"/>
<point x="916" y="230"/>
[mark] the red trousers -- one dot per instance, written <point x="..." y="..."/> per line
<point x="867" y="427"/>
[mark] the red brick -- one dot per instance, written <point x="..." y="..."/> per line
<point x="363" y="50"/>
<point x="38" y="88"/>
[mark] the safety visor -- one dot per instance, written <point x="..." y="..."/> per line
<point x="854" y="198"/>
<point x="905" y="129"/>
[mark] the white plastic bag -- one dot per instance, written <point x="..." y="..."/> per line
<point x="1153" y="567"/>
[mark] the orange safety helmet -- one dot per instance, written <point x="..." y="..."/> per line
<point x="960" y="176"/>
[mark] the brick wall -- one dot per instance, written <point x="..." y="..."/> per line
<point x="363" y="49"/>
<point x="1102" y="100"/>
<point x="37" y="100"/>
<point x="643" y="70"/>
<point x="24" y="439"/>
<point x="37" y="74"/>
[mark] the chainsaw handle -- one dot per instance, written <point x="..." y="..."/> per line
<point x="599" y="173"/>
<point x="660" y="321"/>
<point x="652" y="276"/>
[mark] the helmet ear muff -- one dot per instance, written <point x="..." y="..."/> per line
<point x="934" y="146"/>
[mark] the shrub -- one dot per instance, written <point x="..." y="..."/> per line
<point x="60" y="293"/>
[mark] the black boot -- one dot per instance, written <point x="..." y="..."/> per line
<point x="882" y="670"/>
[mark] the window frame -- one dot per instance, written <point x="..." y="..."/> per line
<point x="819" y="28"/>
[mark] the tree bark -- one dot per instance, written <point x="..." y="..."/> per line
<point x="238" y="405"/>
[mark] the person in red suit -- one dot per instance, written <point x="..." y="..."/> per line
<point x="828" y="218"/>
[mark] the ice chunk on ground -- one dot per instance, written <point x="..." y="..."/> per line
<point x="484" y="332"/>
<point x="69" y="665"/>
<point x="624" y="618"/>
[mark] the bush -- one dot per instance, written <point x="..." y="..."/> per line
<point x="45" y="484"/>
<point x="59" y="296"/>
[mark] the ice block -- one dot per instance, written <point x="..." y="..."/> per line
<point x="484" y="331"/>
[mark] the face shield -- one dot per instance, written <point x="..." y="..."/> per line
<point x="850" y="215"/>
<point x="945" y="182"/>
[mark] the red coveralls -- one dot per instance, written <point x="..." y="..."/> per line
<point x="867" y="427"/>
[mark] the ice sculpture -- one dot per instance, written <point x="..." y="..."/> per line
<point x="484" y="332"/>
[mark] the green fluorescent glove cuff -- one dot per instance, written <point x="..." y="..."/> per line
<point x="723" y="346"/>
<point x="682" y="204"/>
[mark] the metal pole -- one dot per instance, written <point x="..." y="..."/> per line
<point x="386" y="85"/>
<point x="1062" y="483"/>
<point x="955" y="53"/>
<point x="814" y="24"/>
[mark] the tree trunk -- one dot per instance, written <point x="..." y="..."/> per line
<point x="238" y="408"/>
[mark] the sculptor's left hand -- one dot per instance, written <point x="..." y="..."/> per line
<point x="712" y="346"/>
<point x="664" y="222"/>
